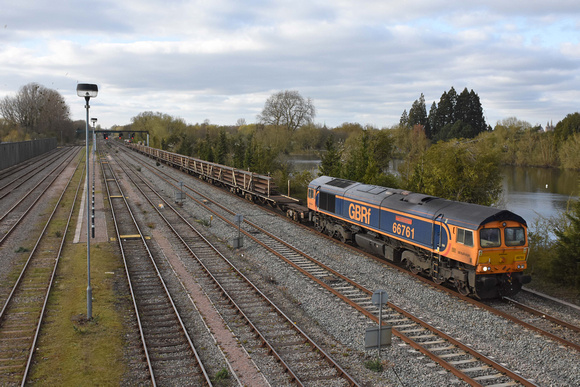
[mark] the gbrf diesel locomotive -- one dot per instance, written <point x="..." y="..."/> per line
<point x="481" y="250"/>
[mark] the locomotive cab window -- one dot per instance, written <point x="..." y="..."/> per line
<point x="515" y="236"/>
<point x="489" y="237"/>
<point x="465" y="237"/>
<point x="310" y="193"/>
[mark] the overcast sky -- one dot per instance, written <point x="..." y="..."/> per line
<point x="359" y="61"/>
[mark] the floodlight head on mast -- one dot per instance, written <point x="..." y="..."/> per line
<point x="87" y="90"/>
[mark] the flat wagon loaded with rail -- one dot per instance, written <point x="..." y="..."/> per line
<point x="254" y="187"/>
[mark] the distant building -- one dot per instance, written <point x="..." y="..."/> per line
<point x="549" y="127"/>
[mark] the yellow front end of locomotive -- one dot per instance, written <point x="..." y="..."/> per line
<point x="503" y="248"/>
<point x="501" y="261"/>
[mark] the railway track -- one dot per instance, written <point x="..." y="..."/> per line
<point x="539" y="321"/>
<point x="21" y="168"/>
<point x="22" y="205"/>
<point x="463" y="361"/>
<point x="552" y="326"/>
<point x="303" y="361"/>
<point x="169" y="351"/>
<point x="9" y="182"/>
<point x="24" y="306"/>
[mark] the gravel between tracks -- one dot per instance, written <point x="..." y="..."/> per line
<point x="341" y="330"/>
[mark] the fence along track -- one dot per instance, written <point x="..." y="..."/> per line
<point x="23" y="311"/>
<point x="463" y="361"/>
<point x="169" y="351"/>
<point x="12" y="218"/>
<point x="306" y="363"/>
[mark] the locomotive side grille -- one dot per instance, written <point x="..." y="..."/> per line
<point x="326" y="202"/>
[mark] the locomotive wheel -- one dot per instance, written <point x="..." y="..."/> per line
<point x="415" y="269"/>
<point x="318" y="225"/>
<point x="438" y="280"/>
<point x="462" y="288"/>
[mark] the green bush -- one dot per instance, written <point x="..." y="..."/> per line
<point x="374" y="365"/>
<point x="221" y="375"/>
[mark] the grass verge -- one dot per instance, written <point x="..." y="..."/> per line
<point x="72" y="350"/>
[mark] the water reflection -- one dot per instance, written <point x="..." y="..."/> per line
<point x="533" y="192"/>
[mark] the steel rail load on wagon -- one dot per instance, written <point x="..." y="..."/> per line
<point x="481" y="250"/>
<point x="252" y="186"/>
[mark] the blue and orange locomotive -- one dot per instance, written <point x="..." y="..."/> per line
<point x="481" y="250"/>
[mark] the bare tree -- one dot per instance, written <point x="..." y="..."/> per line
<point x="287" y="108"/>
<point x="36" y="110"/>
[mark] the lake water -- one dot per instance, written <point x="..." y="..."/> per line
<point x="527" y="191"/>
<point x="534" y="192"/>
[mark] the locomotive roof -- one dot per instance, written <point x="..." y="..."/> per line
<point x="461" y="214"/>
<point x="466" y="215"/>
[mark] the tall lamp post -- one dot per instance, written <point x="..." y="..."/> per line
<point x="88" y="90"/>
